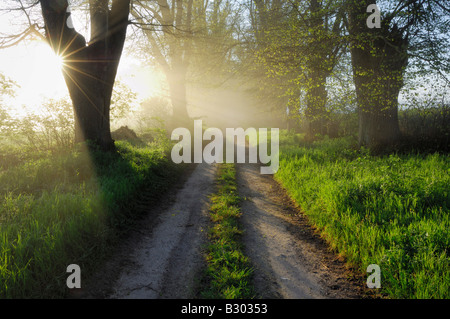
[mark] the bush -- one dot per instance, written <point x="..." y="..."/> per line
<point x="426" y="128"/>
<point x="52" y="128"/>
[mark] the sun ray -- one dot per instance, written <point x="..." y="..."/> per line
<point x="85" y="94"/>
<point x="69" y="45"/>
<point x="84" y="73"/>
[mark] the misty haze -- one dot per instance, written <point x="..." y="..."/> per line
<point x="119" y="180"/>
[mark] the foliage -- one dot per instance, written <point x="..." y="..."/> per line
<point x="153" y="111"/>
<point x="7" y="88"/>
<point x="122" y="101"/>
<point x="51" y="127"/>
<point x="7" y="85"/>
<point x="426" y="129"/>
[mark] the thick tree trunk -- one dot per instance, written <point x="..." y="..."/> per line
<point x="90" y="90"/>
<point x="379" y="58"/>
<point x="89" y="70"/>
<point x="378" y="110"/>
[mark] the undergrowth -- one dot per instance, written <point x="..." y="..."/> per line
<point x="70" y="207"/>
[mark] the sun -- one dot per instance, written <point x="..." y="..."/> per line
<point x="38" y="73"/>
<point x="50" y="60"/>
<point x="58" y="60"/>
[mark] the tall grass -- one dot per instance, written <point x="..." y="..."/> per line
<point x="228" y="272"/>
<point x="391" y="210"/>
<point x="69" y="208"/>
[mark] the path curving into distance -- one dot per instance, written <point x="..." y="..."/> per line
<point x="164" y="257"/>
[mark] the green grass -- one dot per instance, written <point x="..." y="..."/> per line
<point x="70" y="207"/>
<point x="391" y="210"/>
<point x="228" y="270"/>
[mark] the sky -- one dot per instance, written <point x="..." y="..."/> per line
<point x="37" y="71"/>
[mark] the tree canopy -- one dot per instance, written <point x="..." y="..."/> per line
<point x="297" y="54"/>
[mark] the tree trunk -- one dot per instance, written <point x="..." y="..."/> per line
<point x="89" y="70"/>
<point x="378" y="109"/>
<point x="177" y="86"/>
<point x="316" y="99"/>
<point x="316" y="93"/>
<point x="379" y="58"/>
<point x="90" y="90"/>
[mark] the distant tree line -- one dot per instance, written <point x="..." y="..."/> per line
<point x="317" y="58"/>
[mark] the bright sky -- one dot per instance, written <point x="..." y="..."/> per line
<point x="35" y="67"/>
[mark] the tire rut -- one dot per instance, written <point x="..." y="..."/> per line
<point x="163" y="257"/>
<point x="291" y="261"/>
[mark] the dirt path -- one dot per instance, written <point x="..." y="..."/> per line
<point x="167" y="260"/>
<point x="164" y="257"/>
<point x="290" y="260"/>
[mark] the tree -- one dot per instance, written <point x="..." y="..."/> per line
<point x="265" y="55"/>
<point x="122" y="101"/>
<point x="380" y="57"/>
<point x="300" y="43"/>
<point x="185" y="37"/>
<point x="89" y="68"/>
<point x="324" y="46"/>
<point x="7" y="87"/>
<point x="170" y="46"/>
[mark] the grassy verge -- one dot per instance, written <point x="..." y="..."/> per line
<point x="228" y="271"/>
<point x="391" y="210"/>
<point x="70" y="208"/>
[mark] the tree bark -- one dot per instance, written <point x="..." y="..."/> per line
<point x="89" y="69"/>
<point x="322" y="55"/>
<point x="316" y="94"/>
<point x="379" y="58"/>
<point x="177" y="86"/>
<point x="316" y="99"/>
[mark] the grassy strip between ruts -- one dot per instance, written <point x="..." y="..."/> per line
<point x="228" y="272"/>
<point x="71" y="208"/>
<point x="390" y="210"/>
